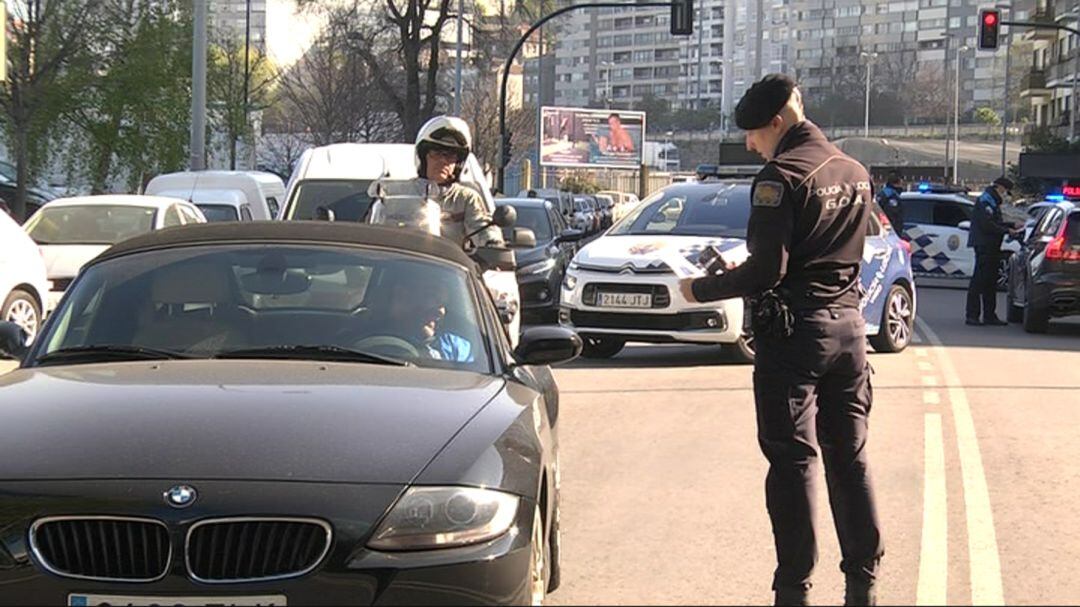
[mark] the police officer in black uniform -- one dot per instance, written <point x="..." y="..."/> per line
<point x="986" y="233"/>
<point x="810" y="208"/>
<point x="888" y="198"/>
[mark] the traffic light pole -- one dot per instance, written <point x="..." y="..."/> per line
<point x="504" y="139"/>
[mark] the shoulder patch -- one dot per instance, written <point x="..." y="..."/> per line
<point x="768" y="193"/>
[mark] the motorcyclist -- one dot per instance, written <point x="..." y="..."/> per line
<point x="442" y="147"/>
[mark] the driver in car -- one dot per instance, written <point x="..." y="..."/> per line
<point x="419" y="308"/>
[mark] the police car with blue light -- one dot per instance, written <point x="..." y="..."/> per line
<point x="936" y="223"/>
<point x="624" y="286"/>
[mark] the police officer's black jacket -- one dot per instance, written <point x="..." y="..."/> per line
<point x="987" y="227"/>
<point x="808" y="221"/>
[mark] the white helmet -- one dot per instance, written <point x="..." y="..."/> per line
<point x="443" y="132"/>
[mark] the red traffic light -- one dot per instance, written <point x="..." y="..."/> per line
<point x="989" y="26"/>
<point x="990" y="19"/>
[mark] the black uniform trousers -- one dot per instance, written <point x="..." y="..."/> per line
<point x="982" y="290"/>
<point x="813" y="388"/>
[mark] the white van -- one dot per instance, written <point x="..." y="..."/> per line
<point x="224" y="195"/>
<point x="337" y="177"/>
<point x="24" y="287"/>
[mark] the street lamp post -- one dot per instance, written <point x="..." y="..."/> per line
<point x="956" y="114"/>
<point x="866" y="114"/>
<point x="1005" y="105"/>
<point x="607" y="65"/>
<point x="457" y="67"/>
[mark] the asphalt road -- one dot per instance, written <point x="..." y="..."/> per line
<point x="972" y="444"/>
<point x="971" y="447"/>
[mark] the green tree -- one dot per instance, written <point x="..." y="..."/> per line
<point x="226" y="85"/>
<point x="987" y="115"/>
<point x="46" y="56"/>
<point x="133" y="108"/>
<point x="579" y="182"/>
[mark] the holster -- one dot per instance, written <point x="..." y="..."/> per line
<point x="771" y="315"/>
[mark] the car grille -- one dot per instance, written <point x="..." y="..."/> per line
<point x="584" y="320"/>
<point x="660" y="296"/>
<point x="102" y="548"/>
<point x="252" y="549"/>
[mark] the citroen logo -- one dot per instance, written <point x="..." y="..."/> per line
<point x="181" y="496"/>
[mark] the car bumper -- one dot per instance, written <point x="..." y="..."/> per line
<point x="677" y="322"/>
<point x="1058" y="293"/>
<point x="494" y="572"/>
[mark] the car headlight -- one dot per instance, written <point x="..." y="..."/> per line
<point x="569" y="282"/>
<point x="445" y="517"/>
<point x="539" y="267"/>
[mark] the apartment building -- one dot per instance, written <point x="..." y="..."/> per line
<point x="1050" y="84"/>
<point x="231" y="15"/>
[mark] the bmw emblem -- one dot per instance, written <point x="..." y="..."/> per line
<point x="181" y="496"/>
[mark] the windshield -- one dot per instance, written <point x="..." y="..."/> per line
<point x="723" y="211"/>
<point x="90" y="224"/>
<point x="218" y="212"/>
<point x="347" y="198"/>
<point x="215" y="300"/>
<point x="533" y="218"/>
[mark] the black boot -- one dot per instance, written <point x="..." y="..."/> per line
<point x="859" y="592"/>
<point x="795" y="596"/>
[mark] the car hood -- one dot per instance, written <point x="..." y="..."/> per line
<point x="65" y="260"/>
<point x="223" y="419"/>
<point x="642" y="252"/>
<point x="525" y="257"/>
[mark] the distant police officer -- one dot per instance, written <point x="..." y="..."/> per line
<point x="808" y="220"/>
<point x="888" y="198"/>
<point x="985" y="236"/>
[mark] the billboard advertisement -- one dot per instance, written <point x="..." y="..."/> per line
<point x="578" y="137"/>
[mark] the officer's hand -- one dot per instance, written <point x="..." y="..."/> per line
<point x="686" y="289"/>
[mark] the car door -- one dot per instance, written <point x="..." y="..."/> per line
<point x="876" y="256"/>
<point x="937" y="241"/>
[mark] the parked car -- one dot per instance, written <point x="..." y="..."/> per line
<point x="24" y="286"/>
<point x="224" y="195"/>
<point x="1044" y="275"/>
<point x="584" y="217"/>
<point x="620" y="289"/>
<point x="72" y="231"/>
<point x="607" y="203"/>
<point x="540" y="269"/>
<point x="563" y="200"/>
<point x="35" y="197"/>
<point x="177" y="383"/>
<point x="937" y="226"/>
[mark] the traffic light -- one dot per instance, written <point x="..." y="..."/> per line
<point x="682" y="17"/>
<point x="989" y="28"/>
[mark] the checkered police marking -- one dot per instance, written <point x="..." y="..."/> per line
<point x="768" y="193"/>
<point x="929" y="257"/>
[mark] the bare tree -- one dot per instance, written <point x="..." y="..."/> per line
<point x="226" y="84"/>
<point x="928" y="95"/>
<point x="329" y="93"/>
<point x="46" y="39"/>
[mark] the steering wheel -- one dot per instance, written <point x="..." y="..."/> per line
<point x="382" y="343"/>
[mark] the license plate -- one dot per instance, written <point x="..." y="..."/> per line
<point x="90" y="600"/>
<point x="626" y="300"/>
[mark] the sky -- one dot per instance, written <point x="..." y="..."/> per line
<point x="288" y="34"/>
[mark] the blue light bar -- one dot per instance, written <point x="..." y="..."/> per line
<point x="1056" y="197"/>
<point x="924" y="187"/>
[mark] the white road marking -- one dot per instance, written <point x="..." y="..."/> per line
<point x="929" y="380"/>
<point x="931" y="397"/>
<point x="925" y="366"/>
<point x="920" y="352"/>
<point x="985" y="562"/>
<point x="933" y="556"/>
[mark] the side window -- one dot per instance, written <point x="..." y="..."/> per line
<point x="556" y="222"/>
<point x="274" y="206"/>
<point x="172" y="217"/>
<point x="947" y="213"/>
<point x="189" y="216"/>
<point x="245" y="213"/>
<point x="1050" y="224"/>
<point x="918" y="210"/>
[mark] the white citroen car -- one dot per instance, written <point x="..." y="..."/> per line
<point x="619" y="289"/>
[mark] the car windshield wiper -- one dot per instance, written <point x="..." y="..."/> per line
<point x="312" y="352"/>
<point x="99" y="352"/>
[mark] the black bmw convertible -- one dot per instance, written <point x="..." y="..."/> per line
<point x="274" y="414"/>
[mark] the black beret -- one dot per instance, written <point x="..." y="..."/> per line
<point x="763" y="100"/>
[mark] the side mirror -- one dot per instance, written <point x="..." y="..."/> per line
<point x="964" y="225"/>
<point x="547" y="345"/>
<point x="324" y="214"/>
<point x="505" y="216"/>
<point x="13" y="340"/>
<point x="524" y="238"/>
<point x="571" y="235"/>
